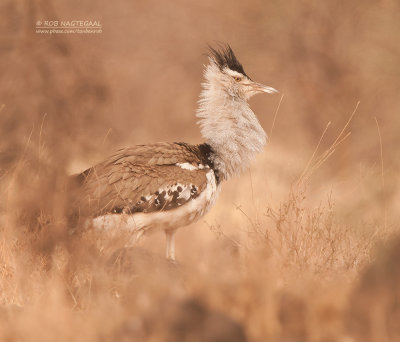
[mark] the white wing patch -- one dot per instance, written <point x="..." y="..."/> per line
<point x="191" y="167"/>
<point x="187" y="166"/>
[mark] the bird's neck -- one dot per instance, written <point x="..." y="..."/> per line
<point x="231" y="129"/>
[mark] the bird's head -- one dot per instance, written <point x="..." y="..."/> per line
<point x="225" y="73"/>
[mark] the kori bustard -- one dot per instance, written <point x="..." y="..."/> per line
<point x="169" y="185"/>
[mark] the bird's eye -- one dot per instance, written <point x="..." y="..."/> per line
<point x="237" y="78"/>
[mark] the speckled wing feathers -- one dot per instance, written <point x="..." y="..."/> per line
<point x="144" y="178"/>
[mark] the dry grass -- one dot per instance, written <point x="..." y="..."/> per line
<point x="283" y="270"/>
<point x="301" y="248"/>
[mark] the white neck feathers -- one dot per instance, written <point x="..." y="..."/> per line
<point x="228" y="125"/>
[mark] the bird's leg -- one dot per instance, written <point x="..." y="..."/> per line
<point x="170" y="252"/>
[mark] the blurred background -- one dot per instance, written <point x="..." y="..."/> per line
<point x="69" y="100"/>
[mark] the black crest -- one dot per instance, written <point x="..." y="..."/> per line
<point x="224" y="57"/>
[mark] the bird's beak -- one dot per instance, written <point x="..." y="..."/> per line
<point x="258" y="87"/>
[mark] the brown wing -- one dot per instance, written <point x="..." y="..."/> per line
<point x="143" y="178"/>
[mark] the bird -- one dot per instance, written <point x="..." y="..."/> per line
<point x="167" y="185"/>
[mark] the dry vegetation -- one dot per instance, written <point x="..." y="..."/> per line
<point x="301" y="248"/>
